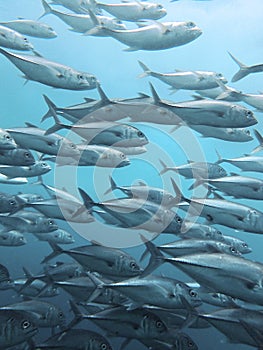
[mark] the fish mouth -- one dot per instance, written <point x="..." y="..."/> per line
<point x="123" y="163"/>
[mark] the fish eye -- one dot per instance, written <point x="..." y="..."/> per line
<point x="80" y="76"/>
<point x="133" y="265"/>
<point x="118" y="21"/>
<point x="178" y="219"/>
<point x="192" y="293"/>
<point x="72" y="145"/>
<point x="25" y="39"/>
<point x="219" y="74"/>
<point x="219" y="233"/>
<point x="25" y="324"/>
<point x="27" y="154"/>
<point x="122" y="156"/>
<point x="61" y="315"/>
<point x="233" y="250"/>
<point x="248" y="132"/>
<point x="103" y="346"/>
<point x="244" y="245"/>
<point x="191" y="24"/>
<point x="159" y="324"/>
<point x="249" y="114"/>
<point x="12" y="202"/>
<point x="190" y="344"/>
<point x="159" y="7"/>
<point x="140" y="134"/>
<point x="7" y="137"/>
<point x="43" y="165"/>
<point x="50" y="222"/>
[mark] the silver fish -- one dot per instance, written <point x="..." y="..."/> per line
<point x="180" y="341"/>
<point x="16" y="327"/>
<point x="238" y="243"/>
<point x="245" y="70"/>
<point x="58" y="236"/>
<point x="17" y="156"/>
<point x="6" y="141"/>
<point x="31" y="28"/>
<point x="50" y="73"/>
<point x="12" y="238"/>
<point x="187" y="80"/>
<point x="13" y="40"/>
<point x="193" y="230"/>
<point x="11" y="172"/>
<point x="82" y="23"/>
<point x="134" y="11"/>
<point x="245" y="163"/>
<point x="37" y="288"/>
<point x="35" y="138"/>
<point x="157" y="36"/>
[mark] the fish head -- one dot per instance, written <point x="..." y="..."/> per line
<point x="68" y="148"/>
<point x="128" y="266"/>
<point x="26" y="44"/>
<point x="22" y="157"/>
<point x="255" y="219"/>
<point x="55" y="316"/>
<point x="6" y="141"/>
<point x="189" y="294"/>
<point x="156" y="11"/>
<point x="11" y="204"/>
<point x="220" y="76"/>
<point x="216" y="171"/>
<point x="112" y="23"/>
<point x="153" y="325"/>
<point x="175" y="224"/>
<point x="242" y="247"/>
<point x="42" y="167"/>
<point x="51" y="32"/>
<point x="63" y="237"/>
<point x="85" y="81"/>
<point x="184" y="342"/>
<point x="12" y="238"/>
<point x="240" y="134"/>
<point x="190" y="30"/>
<point x="113" y="159"/>
<point x="97" y="342"/>
<point x="46" y="224"/>
<point x="228" y="249"/>
<point x="237" y="113"/>
<point x="129" y="136"/>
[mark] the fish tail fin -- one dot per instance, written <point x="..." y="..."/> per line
<point x="260" y="141"/>
<point x="47" y="9"/>
<point x="165" y="167"/>
<point x="87" y="200"/>
<point x="157" y="258"/>
<point x="98" y="27"/>
<point x="243" y="69"/>
<point x="51" y="107"/>
<point x="146" y="70"/>
<point x="220" y="159"/>
<point x="113" y="186"/>
<point x="30" y="278"/>
<point x="98" y="283"/>
<point x="102" y="94"/>
<point x="178" y="193"/>
<point x="198" y="182"/>
<point x="78" y="315"/>
<point x="58" y="125"/>
<point x="56" y="251"/>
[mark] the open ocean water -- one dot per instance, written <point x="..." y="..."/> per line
<point x="227" y="25"/>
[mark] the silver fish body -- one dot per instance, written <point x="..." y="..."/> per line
<point x="17" y="156"/>
<point x="12" y="239"/>
<point x="31" y="28"/>
<point x="11" y="172"/>
<point x="6" y="141"/>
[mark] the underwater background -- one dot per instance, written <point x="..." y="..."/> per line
<point x="228" y="25"/>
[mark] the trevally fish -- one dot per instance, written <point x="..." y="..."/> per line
<point x="245" y="163"/>
<point x="6" y="141"/>
<point x="224" y="93"/>
<point x="37" y="169"/>
<point x="76" y="339"/>
<point x="9" y="203"/>
<point x="11" y="39"/>
<point x="156" y="36"/>
<point x="12" y="238"/>
<point x="180" y="341"/>
<point x="82" y="23"/>
<point x="50" y="73"/>
<point x="42" y="313"/>
<point x="237" y="186"/>
<point x="58" y="236"/>
<point x="104" y="133"/>
<point x="208" y="112"/>
<point x="245" y="70"/>
<point x="37" y="289"/>
<point x="200" y="231"/>
<point x="29" y="197"/>
<point x="31" y="28"/>
<point x="29" y="222"/>
<point x="134" y="11"/>
<point x="105" y="260"/>
<point x="16" y="328"/>
<point x="240" y="325"/>
<point x="135" y="213"/>
<point x="35" y="138"/>
<point x="165" y="292"/>
<point x="152" y="194"/>
<point x="187" y="80"/>
<point x="17" y="156"/>
<point x="226" y="134"/>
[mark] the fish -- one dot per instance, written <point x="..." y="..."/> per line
<point x="186" y="80"/>
<point x="196" y="230"/>
<point x="9" y="203"/>
<point x="152" y="37"/>
<point x="226" y="134"/>
<point x="17" y="156"/>
<point x="135" y="213"/>
<point x="6" y="141"/>
<point x="237" y="186"/>
<point x="12" y="238"/>
<point x="16" y="328"/>
<point x="73" y="339"/>
<point x="37" y="169"/>
<point x="14" y="181"/>
<point x="208" y="112"/>
<point x="39" y="69"/>
<point x="58" y="236"/>
<point x="31" y="28"/>
<point x="152" y="194"/>
<point x="42" y="313"/>
<point x="134" y="11"/>
<point x="35" y="138"/>
<point x="11" y="39"/>
<point x="105" y="260"/>
<point x="181" y="340"/>
<point x="254" y="100"/>
<point x="82" y="23"/>
<point x="29" y="222"/>
<point x="221" y="92"/>
<point x="238" y="243"/>
<point x="131" y="151"/>
<point x="245" y="70"/>
<point x="37" y="289"/>
<point x="165" y="292"/>
<point x="236" y="324"/>
<point x="4" y="276"/>
<point x="245" y="163"/>
<point x="104" y="133"/>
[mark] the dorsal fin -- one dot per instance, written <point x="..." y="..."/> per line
<point x="30" y="125"/>
<point x="154" y="94"/>
<point x="103" y="96"/>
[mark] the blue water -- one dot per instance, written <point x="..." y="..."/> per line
<point x="228" y="25"/>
